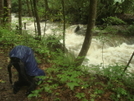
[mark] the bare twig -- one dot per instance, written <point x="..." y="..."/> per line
<point x="128" y="64"/>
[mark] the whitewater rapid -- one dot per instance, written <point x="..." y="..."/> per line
<point x="100" y="53"/>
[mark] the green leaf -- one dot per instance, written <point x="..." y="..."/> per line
<point x="80" y="95"/>
<point x="1" y="81"/>
<point x="84" y="100"/>
<point x="71" y="85"/>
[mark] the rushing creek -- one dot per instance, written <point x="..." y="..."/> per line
<point x="110" y="51"/>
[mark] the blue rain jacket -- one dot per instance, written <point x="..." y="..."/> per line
<point x="25" y="54"/>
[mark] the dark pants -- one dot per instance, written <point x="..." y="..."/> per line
<point x="22" y="82"/>
<point x="26" y="80"/>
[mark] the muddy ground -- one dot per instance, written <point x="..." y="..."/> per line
<point x="6" y="92"/>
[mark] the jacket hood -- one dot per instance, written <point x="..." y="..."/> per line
<point x="26" y="55"/>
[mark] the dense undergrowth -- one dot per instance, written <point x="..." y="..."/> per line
<point x="66" y="82"/>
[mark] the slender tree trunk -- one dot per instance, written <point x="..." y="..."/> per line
<point x="46" y="10"/>
<point x="1" y="11"/>
<point x="37" y="19"/>
<point x="128" y="64"/>
<point x="64" y="26"/>
<point x="32" y="8"/>
<point x="88" y="36"/>
<point x="5" y="17"/>
<point x="46" y="5"/>
<point x="9" y="11"/>
<point x="5" y="14"/>
<point x="28" y="7"/>
<point x="20" y="19"/>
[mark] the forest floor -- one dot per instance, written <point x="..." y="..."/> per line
<point x="6" y="90"/>
<point x="65" y="94"/>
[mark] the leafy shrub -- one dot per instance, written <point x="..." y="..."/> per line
<point x="113" y="21"/>
<point x="130" y="30"/>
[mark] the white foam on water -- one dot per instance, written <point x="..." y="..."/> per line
<point x="99" y="53"/>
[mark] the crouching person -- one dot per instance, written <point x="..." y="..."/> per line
<point x="23" y="60"/>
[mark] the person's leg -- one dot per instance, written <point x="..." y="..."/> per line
<point x="16" y="87"/>
<point x="31" y="86"/>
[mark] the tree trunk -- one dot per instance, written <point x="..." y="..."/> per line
<point x="1" y="11"/>
<point x="28" y="7"/>
<point x="88" y="36"/>
<point x="46" y="5"/>
<point x="20" y="14"/>
<point x="9" y="11"/>
<point x="37" y="18"/>
<point x="64" y="26"/>
<point x="5" y="17"/>
<point x="5" y="14"/>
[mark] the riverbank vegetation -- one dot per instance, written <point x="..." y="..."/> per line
<point x="64" y="81"/>
<point x="77" y="12"/>
<point x="109" y="13"/>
